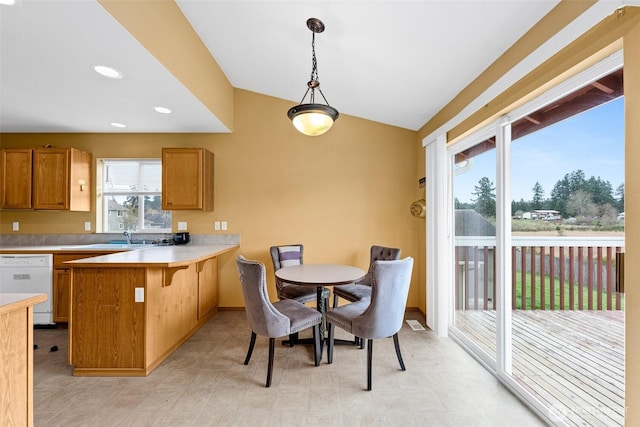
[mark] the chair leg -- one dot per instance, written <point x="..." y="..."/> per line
<point x="335" y="300"/>
<point x="293" y="339"/>
<point x="316" y="344"/>
<point x="272" y="344"/>
<point x="361" y="343"/>
<point x="369" y="357"/>
<point x="396" y="343"/>
<point x="252" y="343"/>
<point x="330" y="345"/>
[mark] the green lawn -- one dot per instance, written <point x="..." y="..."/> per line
<point x="547" y="302"/>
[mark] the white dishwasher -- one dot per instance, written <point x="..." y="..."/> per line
<point x="22" y="273"/>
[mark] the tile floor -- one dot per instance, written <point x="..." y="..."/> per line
<point x="204" y="383"/>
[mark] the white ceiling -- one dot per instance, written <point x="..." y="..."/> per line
<point x="395" y="62"/>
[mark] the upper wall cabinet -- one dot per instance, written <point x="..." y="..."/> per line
<point x="46" y="178"/>
<point x="187" y="179"/>
<point x="15" y="192"/>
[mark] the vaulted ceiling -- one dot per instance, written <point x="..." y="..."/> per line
<point x="395" y="62"/>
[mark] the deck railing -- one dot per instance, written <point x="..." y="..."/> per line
<point x="548" y="273"/>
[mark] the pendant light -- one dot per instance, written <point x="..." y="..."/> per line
<point x="313" y="119"/>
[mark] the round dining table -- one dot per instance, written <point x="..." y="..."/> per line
<point x="320" y="275"/>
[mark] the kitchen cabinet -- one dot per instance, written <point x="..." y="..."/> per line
<point x="15" y="191"/>
<point x="46" y="178"/>
<point x="62" y="283"/>
<point x="61" y="179"/>
<point x="187" y="179"/>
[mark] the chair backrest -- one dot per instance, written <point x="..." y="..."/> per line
<point x="284" y="256"/>
<point x="379" y="253"/>
<point x="389" y="291"/>
<point x="263" y="317"/>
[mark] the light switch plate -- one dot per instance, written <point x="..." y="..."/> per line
<point x="224" y="225"/>
<point x="139" y="294"/>
<point x="87" y="226"/>
<point x="16" y="226"/>
<point x="182" y="225"/>
<point x="216" y="225"/>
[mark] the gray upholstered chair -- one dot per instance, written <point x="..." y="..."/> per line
<point x="273" y="320"/>
<point x="382" y="316"/>
<point x="362" y="288"/>
<point x="285" y="256"/>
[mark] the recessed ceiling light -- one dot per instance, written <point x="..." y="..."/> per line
<point x="109" y="72"/>
<point x="162" y="110"/>
<point x="118" y="125"/>
<point x="8" y="2"/>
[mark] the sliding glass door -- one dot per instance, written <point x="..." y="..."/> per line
<point x="567" y="184"/>
<point x="537" y="214"/>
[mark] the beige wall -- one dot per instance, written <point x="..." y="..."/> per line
<point x="337" y="194"/>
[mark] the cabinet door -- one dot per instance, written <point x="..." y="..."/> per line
<point x="62" y="283"/>
<point x="51" y="178"/>
<point x="15" y="190"/>
<point x="187" y="179"/>
<point x="61" y="294"/>
<point x="80" y="180"/>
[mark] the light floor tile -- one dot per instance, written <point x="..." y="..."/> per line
<point x="205" y="383"/>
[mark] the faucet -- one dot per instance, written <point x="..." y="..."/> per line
<point x="128" y="236"/>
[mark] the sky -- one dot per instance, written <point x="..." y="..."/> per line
<point x="592" y="141"/>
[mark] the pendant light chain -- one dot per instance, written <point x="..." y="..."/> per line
<point x="314" y="83"/>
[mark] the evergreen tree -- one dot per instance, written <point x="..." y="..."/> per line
<point x="538" y="196"/>
<point x="520" y="206"/>
<point x="485" y="200"/>
<point x="620" y="198"/>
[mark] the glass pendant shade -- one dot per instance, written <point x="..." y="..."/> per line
<point x="313" y="119"/>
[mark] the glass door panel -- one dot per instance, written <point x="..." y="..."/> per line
<point x="567" y="186"/>
<point x="475" y="240"/>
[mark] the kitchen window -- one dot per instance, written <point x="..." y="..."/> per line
<point x="131" y="197"/>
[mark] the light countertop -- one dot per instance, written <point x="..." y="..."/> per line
<point x="155" y="256"/>
<point x="10" y="302"/>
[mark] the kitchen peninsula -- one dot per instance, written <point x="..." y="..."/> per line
<point x="131" y="310"/>
<point x="16" y="358"/>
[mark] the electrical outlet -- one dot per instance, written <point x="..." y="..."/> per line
<point x="16" y="226"/>
<point x="87" y="226"/>
<point x="224" y="225"/>
<point x="182" y="225"/>
<point x="216" y="225"/>
<point x="139" y="295"/>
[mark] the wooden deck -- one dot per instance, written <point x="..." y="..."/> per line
<point x="573" y="361"/>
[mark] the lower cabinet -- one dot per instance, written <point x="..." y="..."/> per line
<point x="62" y="284"/>
<point x="127" y="320"/>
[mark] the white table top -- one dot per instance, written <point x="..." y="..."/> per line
<point x="320" y="274"/>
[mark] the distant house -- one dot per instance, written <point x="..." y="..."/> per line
<point x="547" y="214"/>
<point x="117" y="214"/>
